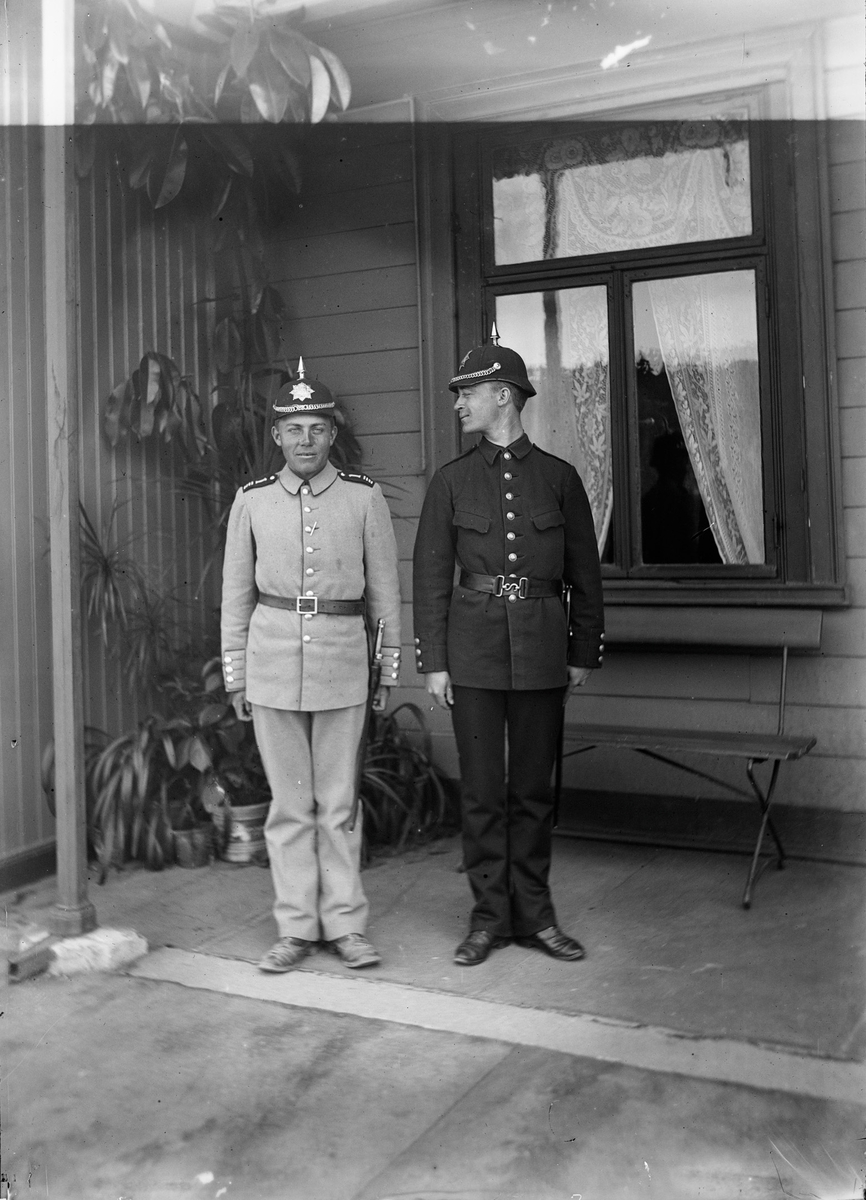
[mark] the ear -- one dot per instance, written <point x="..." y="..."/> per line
<point x="333" y="432"/>
<point x="275" y="433"/>
<point x="503" y="397"/>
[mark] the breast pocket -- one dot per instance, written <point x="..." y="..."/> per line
<point x="548" y="520"/>
<point x="470" y="520"/>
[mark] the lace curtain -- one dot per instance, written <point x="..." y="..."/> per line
<point x="573" y="418"/>
<point x="706" y="331"/>
<point x="633" y="187"/>
<point x="623" y="188"/>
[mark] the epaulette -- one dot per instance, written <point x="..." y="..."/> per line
<point x="257" y="483"/>
<point x="352" y="478"/>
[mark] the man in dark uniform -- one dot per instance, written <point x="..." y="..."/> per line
<point x="496" y="646"/>
<point x="309" y="553"/>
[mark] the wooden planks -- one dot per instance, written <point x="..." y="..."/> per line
<point x="25" y="629"/>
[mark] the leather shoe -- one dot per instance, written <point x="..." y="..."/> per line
<point x="555" y="943"/>
<point x="355" y="951"/>
<point x="285" y="954"/>
<point x="476" y="946"/>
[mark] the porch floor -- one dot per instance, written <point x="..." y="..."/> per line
<point x="699" y="1051"/>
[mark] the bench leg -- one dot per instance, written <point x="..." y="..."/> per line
<point x="765" y="799"/>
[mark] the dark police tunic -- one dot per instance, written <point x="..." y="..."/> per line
<point x="517" y="512"/>
<point x="514" y="511"/>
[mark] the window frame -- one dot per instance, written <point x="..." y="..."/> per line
<point x="789" y="165"/>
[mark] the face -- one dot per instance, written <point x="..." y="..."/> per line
<point x="305" y="441"/>
<point x="478" y="406"/>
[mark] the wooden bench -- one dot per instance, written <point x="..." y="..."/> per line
<point x="711" y="629"/>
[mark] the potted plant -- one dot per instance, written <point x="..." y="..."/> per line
<point x="235" y="790"/>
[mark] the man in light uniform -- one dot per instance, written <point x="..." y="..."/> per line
<point x="310" y="553"/>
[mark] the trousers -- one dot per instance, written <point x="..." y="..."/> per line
<point x="309" y="759"/>
<point x="507" y="817"/>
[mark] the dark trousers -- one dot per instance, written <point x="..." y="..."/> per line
<point x="507" y="828"/>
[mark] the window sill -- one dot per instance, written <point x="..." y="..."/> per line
<point x="711" y="624"/>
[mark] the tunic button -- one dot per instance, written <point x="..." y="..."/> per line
<point x="308" y="510"/>
<point x="308" y="616"/>
<point x="509" y="495"/>
<point x="506" y="455"/>
<point x="311" y="593"/>
<point x="309" y="549"/>
<point x="512" y="599"/>
<point x="228" y="658"/>
<point x="309" y="571"/>
<point x="509" y="516"/>
<point x="307" y="637"/>
<point x="507" y="475"/>
<point x="511" y="536"/>
<point x="305" y="491"/>
<point x="512" y="558"/>
<point x="308" y="529"/>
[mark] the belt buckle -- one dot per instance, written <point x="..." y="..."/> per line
<point x="518" y="587"/>
<point x="307" y="604"/>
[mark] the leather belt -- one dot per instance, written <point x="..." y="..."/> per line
<point x="312" y="604"/>
<point x="501" y="585"/>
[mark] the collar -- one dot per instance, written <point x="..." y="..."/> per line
<point x="293" y="483"/>
<point x="519" y="449"/>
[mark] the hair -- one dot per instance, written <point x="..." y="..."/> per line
<point x="518" y="395"/>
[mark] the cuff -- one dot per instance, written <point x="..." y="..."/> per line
<point x="431" y="659"/>
<point x="235" y="670"/>
<point x="390" y="665"/>
<point x="587" y="651"/>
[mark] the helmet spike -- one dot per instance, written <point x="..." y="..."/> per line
<point x="300" y="367"/>
<point x="494" y="334"/>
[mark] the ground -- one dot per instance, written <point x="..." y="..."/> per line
<point x="699" y="1051"/>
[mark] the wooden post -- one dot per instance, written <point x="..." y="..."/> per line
<point x="73" y="913"/>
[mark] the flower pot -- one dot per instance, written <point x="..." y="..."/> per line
<point x="244" y="840"/>
<point x="193" y="847"/>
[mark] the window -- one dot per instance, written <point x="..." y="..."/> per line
<point x="663" y="282"/>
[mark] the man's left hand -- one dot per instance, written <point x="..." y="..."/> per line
<point x="577" y="677"/>
<point x="380" y="700"/>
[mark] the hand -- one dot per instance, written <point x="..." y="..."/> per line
<point x="439" y="687"/>
<point x="241" y="705"/>
<point x="577" y="677"/>
<point x="380" y="700"/>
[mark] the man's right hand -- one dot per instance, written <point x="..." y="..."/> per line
<point x="241" y="705"/>
<point x="439" y="687"/>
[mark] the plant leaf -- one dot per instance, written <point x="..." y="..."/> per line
<point x="117" y="412"/>
<point x="199" y="755"/>
<point x="320" y="90"/>
<point x="220" y="83"/>
<point x="232" y="148"/>
<point x="168" y="182"/>
<point x="138" y="74"/>
<point x="342" y="89"/>
<point x="211" y="714"/>
<point x="244" y="43"/>
<point x="269" y="86"/>
<point x="108" y="79"/>
<point x="290" y="54"/>
<point x="227" y="345"/>
<point x="139" y="172"/>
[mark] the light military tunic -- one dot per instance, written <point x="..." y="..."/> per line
<point x="329" y="536"/>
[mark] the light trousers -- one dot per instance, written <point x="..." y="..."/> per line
<point x="309" y="759"/>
